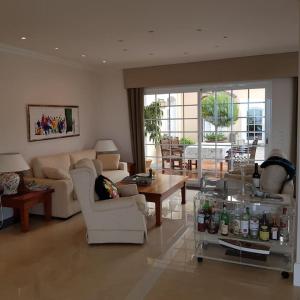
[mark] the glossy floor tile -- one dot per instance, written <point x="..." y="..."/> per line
<point x="53" y="261"/>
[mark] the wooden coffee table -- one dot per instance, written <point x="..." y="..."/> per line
<point x="161" y="188"/>
<point x="21" y="203"/>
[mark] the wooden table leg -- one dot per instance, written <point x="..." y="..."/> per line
<point x="48" y="208"/>
<point x="24" y="214"/>
<point x="183" y="194"/>
<point x="158" y="209"/>
<point x="16" y="214"/>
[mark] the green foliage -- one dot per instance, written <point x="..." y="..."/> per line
<point x="186" y="141"/>
<point x="215" y="137"/>
<point x="152" y="116"/>
<point x="220" y="111"/>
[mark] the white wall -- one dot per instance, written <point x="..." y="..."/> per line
<point x="25" y="80"/>
<point x="283" y="110"/>
<point x="112" y="112"/>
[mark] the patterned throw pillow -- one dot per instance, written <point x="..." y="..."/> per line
<point x="105" y="188"/>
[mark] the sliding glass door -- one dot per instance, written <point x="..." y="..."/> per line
<point x="200" y="130"/>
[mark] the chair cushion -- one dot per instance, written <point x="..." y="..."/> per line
<point x="115" y="175"/>
<point x="105" y="188"/>
<point x="60" y="161"/>
<point x="78" y="155"/>
<point x="56" y="173"/>
<point x="98" y="166"/>
<point x="109" y="161"/>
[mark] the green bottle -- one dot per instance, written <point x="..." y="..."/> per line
<point x="245" y="222"/>
<point x="224" y="221"/>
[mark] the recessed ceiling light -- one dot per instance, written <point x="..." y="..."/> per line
<point x="217" y="46"/>
<point x="120" y="41"/>
<point x="151" y="31"/>
<point x="199" y="29"/>
<point x="125" y="49"/>
<point x="23" y="38"/>
<point x="185" y="53"/>
<point x="83" y="55"/>
<point x="225" y="37"/>
<point x="150" y="53"/>
<point x="56" y="48"/>
<point x="104" y="61"/>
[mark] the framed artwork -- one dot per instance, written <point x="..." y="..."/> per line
<point x="47" y="122"/>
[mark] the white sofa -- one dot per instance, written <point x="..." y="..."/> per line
<point x="119" y="220"/>
<point x="64" y="201"/>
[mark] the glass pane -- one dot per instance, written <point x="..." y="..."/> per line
<point x="191" y="111"/>
<point x="190" y="98"/>
<point x="150" y="150"/>
<point x="176" y="99"/>
<point x="163" y="99"/>
<point x="176" y="125"/>
<point x="148" y="99"/>
<point x="191" y="138"/>
<point x="165" y="112"/>
<point x="190" y="125"/>
<point x="176" y="112"/>
<point x="216" y="137"/>
<point x="164" y="125"/>
<point x="257" y="95"/>
<point x="241" y="96"/>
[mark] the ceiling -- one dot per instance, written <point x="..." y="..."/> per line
<point x="133" y="33"/>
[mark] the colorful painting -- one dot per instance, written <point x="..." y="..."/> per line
<point x="52" y="122"/>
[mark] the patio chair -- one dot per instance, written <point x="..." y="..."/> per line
<point x="238" y="151"/>
<point x="171" y="152"/>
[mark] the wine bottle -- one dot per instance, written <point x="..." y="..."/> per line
<point x="256" y="177"/>
<point x="224" y="221"/>
<point x="274" y="230"/>
<point x="264" y="233"/>
<point x="245" y="222"/>
<point x="200" y="220"/>
<point x="284" y="226"/>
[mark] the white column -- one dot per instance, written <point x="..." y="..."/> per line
<point x="297" y="264"/>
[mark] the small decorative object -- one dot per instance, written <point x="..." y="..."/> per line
<point x="104" y="146"/>
<point x="10" y="163"/>
<point x="52" y="121"/>
<point x="143" y="179"/>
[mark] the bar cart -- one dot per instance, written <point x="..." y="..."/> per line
<point x="240" y="249"/>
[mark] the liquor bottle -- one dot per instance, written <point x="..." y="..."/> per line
<point x="150" y="173"/>
<point x="274" y="230"/>
<point x="224" y="221"/>
<point x="245" y="222"/>
<point x="200" y="220"/>
<point x="236" y="222"/>
<point x="254" y="227"/>
<point x="284" y="227"/>
<point x="264" y="233"/>
<point x="212" y="226"/>
<point x="256" y="177"/>
<point x="207" y="212"/>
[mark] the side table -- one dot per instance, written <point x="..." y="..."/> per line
<point x="21" y="203"/>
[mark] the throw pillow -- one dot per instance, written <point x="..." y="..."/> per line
<point x="98" y="166"/>
<point x="55" y="173"/>
<point x="86" y="163"/>
<point x="109" y="161"/>
<point x="105" y="188"/>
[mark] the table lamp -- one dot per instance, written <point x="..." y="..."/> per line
<point x="10" y="163"/>
<point x="105" y="146"/>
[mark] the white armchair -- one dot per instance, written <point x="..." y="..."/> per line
<point x="110" y="221"/>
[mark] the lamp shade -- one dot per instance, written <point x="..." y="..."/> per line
<point x="12" y="162"/>
<point x="105" y="146"/>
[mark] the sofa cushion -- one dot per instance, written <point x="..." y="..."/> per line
<point x="78" y="155"/>
<point x="115" y="175"/>
<point x="109" y="161"/>
<point x="59" y="161"/>
<point x="105" y="188"/>
<point x="56" y="173"/>
<point x="98" y="166"/>
<point x="86" y="163"/>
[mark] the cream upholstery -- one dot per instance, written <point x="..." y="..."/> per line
<point x="110" y="221"/>
<point x="64" y="200"/>
<point x="109" y="161"/>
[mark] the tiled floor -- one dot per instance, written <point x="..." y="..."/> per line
<point x="54" y="262"/>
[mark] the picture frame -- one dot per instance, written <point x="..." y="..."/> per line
<point x="47" y="122"/>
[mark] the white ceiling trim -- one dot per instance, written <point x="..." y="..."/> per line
<point x="44" y="57"/>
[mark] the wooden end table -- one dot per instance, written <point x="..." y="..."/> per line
<point x="21" y="203"/>
<point x="161" y="188"/>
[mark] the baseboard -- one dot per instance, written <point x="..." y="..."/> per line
<point x="297" y="274"/>
<point x="7" y="222"/>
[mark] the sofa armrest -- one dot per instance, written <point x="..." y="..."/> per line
<point x="123" y="166"/>
<point x="128" y="190"/>
<point x="114" y="204"/>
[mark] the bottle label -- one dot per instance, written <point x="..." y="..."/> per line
<point x="264" y="235"/>
<point x="244" y="227"/>
<point x="274" y="231"/>
<point x="201" y="219"/>
<point x="236" y="226"/>
<point x="254" y="224"/>
<point x="256" y="182"/>
<point x="224" y="228"/>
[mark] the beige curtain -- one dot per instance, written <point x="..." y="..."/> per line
<point x="136" y="118"/>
